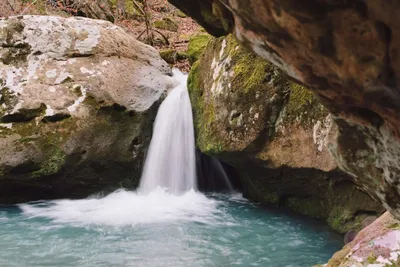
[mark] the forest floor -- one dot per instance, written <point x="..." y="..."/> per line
<point x="175" y="37"/>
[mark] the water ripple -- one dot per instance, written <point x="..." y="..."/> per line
<point x="160" y="229"/>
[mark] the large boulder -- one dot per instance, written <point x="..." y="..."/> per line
<point x="376" y="246"/>
<point x="78" y="98"/>
<point x="274" y="132"/>
<point x="347" y="53"/>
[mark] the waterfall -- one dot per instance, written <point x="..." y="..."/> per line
<point x="170" y="161"/>
<point x="215" y="162"/>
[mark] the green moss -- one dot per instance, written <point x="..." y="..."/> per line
<point x="169" y="55"/>
<point x="166" y="24"/>
<point x="300" y="98"/>
<point x="341" y="219"/>
<point x="250" y="72"/>
<point x="204" y="114"/>
<point x="303" y="106"/>
<point x="48" y="138"/>
<point x="27" y="139"/>
<point x="308" y="206"/>
<point x="372" y="259"/>
<point x="52" y="165"/>
<point x="181" y="14"/>
<point x="394" y="226"/>
<point x="6" y="98"/>
<point x="130" y="8"/>
<point x="249" y="75"/>
<point x="196" y="46"/>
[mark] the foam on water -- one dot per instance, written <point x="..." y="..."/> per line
<point x="123" y="208"/>
<point x="167" y="188"/>
<point x="157" y="230"/>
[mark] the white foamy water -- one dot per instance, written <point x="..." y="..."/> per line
<point x="123" y="208"/>
<point x="167" y="189"/>
<point x="170" y="161"/>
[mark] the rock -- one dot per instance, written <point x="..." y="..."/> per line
<point x="172" y="56"/>
<point x="169" y="55"/>
<point x="346" y="53"/>
<point x="127" y="8"/>
<point x="196" y="46"/>
<point x="78" y="97"/>
<point x="212" y="15"/>
<point x="99" y="9"/>
<point x="166" y="24"/>
<point x="248" y="114"/>
<point x="376" y="245"/>
<point x="181" y="14"/>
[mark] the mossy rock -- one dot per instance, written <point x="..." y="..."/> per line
<point x="52" y="165"/>
<point x="171" y="56"/>
<point x="241" y="105"/>
<point x="166" y="24"/>
<point x="196" y="46"/>
<point x="303" y="106"/>
<point x="228" y="86"/>
<point x="181" y="14"/>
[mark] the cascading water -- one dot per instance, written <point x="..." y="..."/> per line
<point x="215" y="162"/>
<point x="170" y="161"/>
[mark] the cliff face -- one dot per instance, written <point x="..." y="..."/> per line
<point x="274" y="132"/>
<point x="346" y="52"/>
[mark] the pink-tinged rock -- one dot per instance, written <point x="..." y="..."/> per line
<point x="376" y="245"/>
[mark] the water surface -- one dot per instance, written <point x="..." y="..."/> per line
<point x="159" y="229"/>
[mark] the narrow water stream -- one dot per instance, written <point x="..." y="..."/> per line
<point x="160" y="229"/>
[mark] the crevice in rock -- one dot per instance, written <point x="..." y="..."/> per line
<point x="56" y="117"/>
<point x="23" y="115"/>
<point x="25" y="167"/>
<point x="113" y="107"/>
<point x="210" y="178"/>
<point x="388" y="77"/>
<point x="326" y="45"/>
<point x="367" y="115"/>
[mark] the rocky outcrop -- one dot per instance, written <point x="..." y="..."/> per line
<point x="347" y="53"/>
<point x="248" y="114"/>
<point x="78" y="98"/>
<point x="377" y="245"/>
